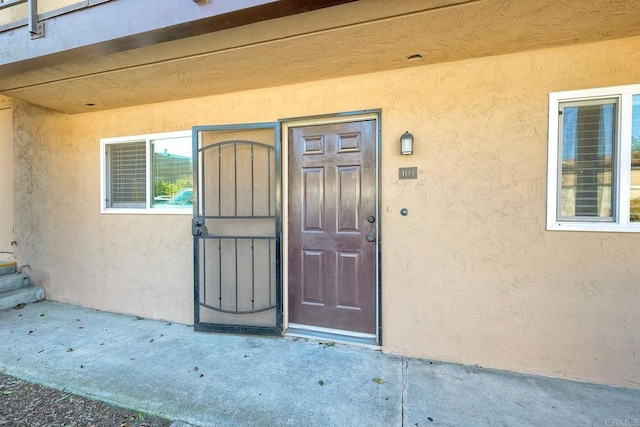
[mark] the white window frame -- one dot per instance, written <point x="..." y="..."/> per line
<point x="622" y="157"/>
<point x="104" y="179"/>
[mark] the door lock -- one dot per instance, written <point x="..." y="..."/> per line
<point x="371" y="219"/>
<point x="197" y="227"/>
<point x="371" y="238"/>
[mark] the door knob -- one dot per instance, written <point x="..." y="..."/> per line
<point x="371" y="237"/>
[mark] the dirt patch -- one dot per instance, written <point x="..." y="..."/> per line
<point x="23" y="404"/>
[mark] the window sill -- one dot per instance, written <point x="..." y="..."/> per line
<point x="601" y="227"/>
<point x="152" y="211"/>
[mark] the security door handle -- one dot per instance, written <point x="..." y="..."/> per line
<point x="197" y="227"/>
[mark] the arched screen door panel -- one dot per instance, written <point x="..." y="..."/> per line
<point x="236" y="228"/>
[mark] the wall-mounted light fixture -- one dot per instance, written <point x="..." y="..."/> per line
<point x="406" y="143"/>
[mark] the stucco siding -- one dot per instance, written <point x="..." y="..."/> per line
<point x="470" y="275"/>
<point x="6" y="181"/>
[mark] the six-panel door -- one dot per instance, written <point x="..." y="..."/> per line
<point x="332" y="226"/>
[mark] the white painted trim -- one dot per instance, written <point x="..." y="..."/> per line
<point x="331" y="331"/>
<point x="594" y="226"/>
<point x="552" y="161"/>
<point x="595" y="93"/>
<point x="147" y="138"/>
<point x="290" y="123"/>
<point x="337" y="339"/>
<point x="622" y="172"/>
<point x="624" y="158"/>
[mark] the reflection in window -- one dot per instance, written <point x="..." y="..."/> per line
<point x="586" y="178"/>
<point x="172" y="173"/>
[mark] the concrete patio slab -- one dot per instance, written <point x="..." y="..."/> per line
<point x="445" y="394"/>
<point x="229" y="380"/>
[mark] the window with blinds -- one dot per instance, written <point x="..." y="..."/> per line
<point x="128" y="173"/>
<point x="147" y="173"/>
<point x="594" y="160"/>
<point x="587" y="132"/>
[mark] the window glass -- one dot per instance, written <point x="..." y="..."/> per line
<point x="150" y="173"/>
<point x="634" y="214"/>
<point x="172" y="173"/>
<point x="128" y="164"/>
<point x="587" y="132"/>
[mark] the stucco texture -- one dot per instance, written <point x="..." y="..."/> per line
<point x="470" y="275"/>
<point x="6" y="181"/>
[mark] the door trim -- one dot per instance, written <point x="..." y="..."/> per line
<point x="327" y="119"/>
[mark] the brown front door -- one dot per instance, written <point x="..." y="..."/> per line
<point x="332" y="226"/>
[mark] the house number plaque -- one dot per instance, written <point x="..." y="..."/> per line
<point x="408" y="173"/>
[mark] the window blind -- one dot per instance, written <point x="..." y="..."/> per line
<point x="588" y="140"/>
<point x="128" y="164"/>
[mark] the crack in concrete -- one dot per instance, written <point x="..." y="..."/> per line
<point x="405" y="376"/>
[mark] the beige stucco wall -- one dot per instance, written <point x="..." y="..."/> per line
<point x="6" y="180"/>
<point x="470" y="275"/>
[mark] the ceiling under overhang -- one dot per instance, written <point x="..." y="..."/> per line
<point x="351" y="38"/>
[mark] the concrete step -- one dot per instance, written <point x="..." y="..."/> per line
<point x="25" y="295"/>
<point x="8" y="268"/>
<point x="9" y="282"/>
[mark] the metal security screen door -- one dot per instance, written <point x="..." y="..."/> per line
<point x="236" y="228"/>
